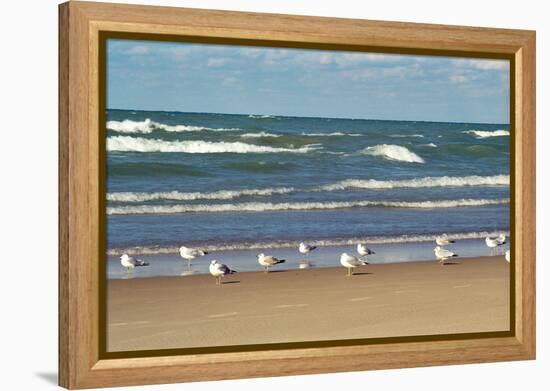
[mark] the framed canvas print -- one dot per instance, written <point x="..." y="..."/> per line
<point x="273" y="194"/>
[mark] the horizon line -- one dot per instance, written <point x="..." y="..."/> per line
<point x="309" y="116"/>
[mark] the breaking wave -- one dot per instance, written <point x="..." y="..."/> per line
<point x="180" y="196"/>
<point x="331" y="134"/>
<point x="487" y="133"/>
<point x="373" y="184"/>
<point x="148" y="126"/>
<point x="259" y="134"/>
<point x="284" y="206"/>
<point x="444" y="181"/>
<point x="393" y="152"/>
<point x="139" y="144"/>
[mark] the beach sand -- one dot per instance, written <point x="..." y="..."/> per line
<point x="386" y="300"/>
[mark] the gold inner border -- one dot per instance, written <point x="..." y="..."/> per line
<point x="102" y="217"/>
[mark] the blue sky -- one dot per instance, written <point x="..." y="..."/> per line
<point x="144" y="75"/>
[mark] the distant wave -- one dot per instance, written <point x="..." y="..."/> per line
<point x="261" y="116"/>
<point x="153" y="250"/>
<point x="139" y="144"/>
<point x="148" y="126"/>
<point x="259" y="134"/>
<point x="444" y="181"/>
<point x="426" y="182"/>
<point x="488" y="133"/>
<point x="431" y="145"/>
<point x="393" y="152"/>
<point x="180" y="196"/>
<point x="269" y="207"/>
<point x="406" y="135"/>
<point x="331" y="134"/>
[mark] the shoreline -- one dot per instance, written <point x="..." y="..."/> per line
<point x="379" y="300"/>
<point x="322" y="257"/>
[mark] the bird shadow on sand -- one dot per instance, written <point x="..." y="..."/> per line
<point x="230" y="282"/>
<point x="361" y="274"/>
<point x="450" y="263"/>
<point x="276" y="271"/>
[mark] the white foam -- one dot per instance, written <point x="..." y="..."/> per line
<point x="425" y="182"/>
<point x="393" y="152"/>
<point x="180" y="196"/>
<point x="432" y="145"/>
<point x="147" y="126"/>
<point x="143" y="250"/>
<point x="331" y="134"/>
<point x="488" y="133"/>
<point x="139" y="144"/>
<point x="444" y="181"/>
<point x="259" y="134"/>
<point x="406" y="135"/>
<point x="261" y="116"/>
<point x="283" y="206"/>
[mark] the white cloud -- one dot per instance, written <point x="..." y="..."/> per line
<point x="138" y="50"/>
<point x="485" y="65"/>
<point x="459" y="78"/>
<point x="217" y="62"/>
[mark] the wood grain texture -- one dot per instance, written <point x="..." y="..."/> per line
<point x="80" y="365"/>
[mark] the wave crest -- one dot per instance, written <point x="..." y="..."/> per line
<point x="147" y="126"/>
<point x="139" y="144"/>
<point x="445" y="181"/>
<point x="487" y="133"/>
<point x="393" y="152"/>
<point x="283" y="206"/>
<point x="180" y="196"/>
<point x="259" y="134"/>
<point x="331" y="134"/>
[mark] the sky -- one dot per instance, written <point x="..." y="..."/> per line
<point x="148" y="75"/>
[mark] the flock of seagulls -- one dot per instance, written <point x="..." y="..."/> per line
<point x="350" y="262"/>
<point x="442" y="254"/>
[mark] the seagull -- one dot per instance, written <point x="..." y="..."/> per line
<point x="495" y="242"/>
<point x="443" y="240"/>
<point x="189" y="254"/>
<point x="218" y="270"/>
<point x="507" y="256"/>
<point x="363" y="250"/>
<point x="267" y="260"/>
<point x="130" y="262"/>
<point x="442" y="254"/>
<point x="306" y="248"/>
<point x="350" y="262"/>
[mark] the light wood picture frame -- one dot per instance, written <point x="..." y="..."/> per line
<point x="83" y="28"/>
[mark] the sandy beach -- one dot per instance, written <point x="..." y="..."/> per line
<point x="416" y="298"/>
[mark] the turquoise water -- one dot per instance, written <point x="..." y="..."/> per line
<point x="235" y="182"/>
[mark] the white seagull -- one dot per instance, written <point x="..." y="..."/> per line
<point x="442" y="254"/>
<point x="507" y="256"/>
<point x="218" y="270"/>
<point x="443" y="240"/>
<point x="267" y="261"/>
<point x="495" y="242"/>
<point x="306" y="248"/>
<point x="130" y="262"/>
<point x="363" y="250"/>
<point x="189" y="254"/>
<point x="350" y="262"/>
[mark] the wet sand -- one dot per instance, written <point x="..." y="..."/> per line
<point x="386" y="300"/>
